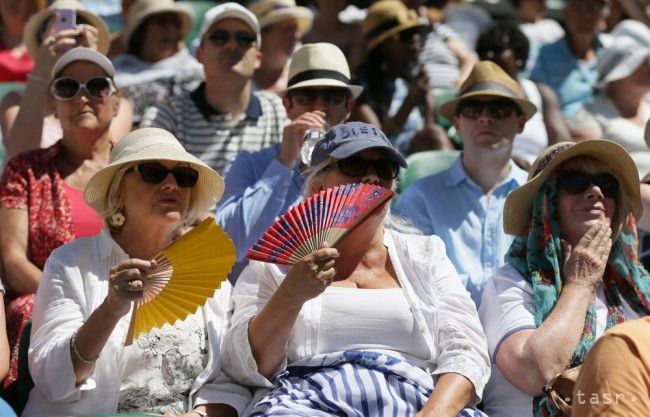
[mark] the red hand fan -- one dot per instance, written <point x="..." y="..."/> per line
<point x="327" y="216"/>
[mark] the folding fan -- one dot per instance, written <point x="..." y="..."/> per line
<point x="187" y="273"/>
<point x="327" y="216"/>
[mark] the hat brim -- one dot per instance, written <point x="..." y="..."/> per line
<point x="36" y="20"/>
<point x="303" y="16"/>
<point x="355" y="90"/>
<point x="448" y="109"/>
<point x="379" y="39"/>
<point x="209" y="187"/>
<point x="185" y="14"/>
<point x="625" y="67"/>
<point x="352" y="148"/>
<point x="518" y="205"/>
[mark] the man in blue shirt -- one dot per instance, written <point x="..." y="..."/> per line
<point x="463" y="205"/>
<point x="262" y="185"/>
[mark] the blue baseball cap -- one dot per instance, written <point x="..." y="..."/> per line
<point x="347" y="139"/>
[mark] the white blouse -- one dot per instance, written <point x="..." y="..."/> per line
<point x="74" y="283"/>
<point x="443" y="312"/>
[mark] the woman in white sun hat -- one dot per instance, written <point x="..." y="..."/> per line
<point x="148" y="192"/>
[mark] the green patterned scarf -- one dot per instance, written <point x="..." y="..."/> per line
<point x="538" y="258"/>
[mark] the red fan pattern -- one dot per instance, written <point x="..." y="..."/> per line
<point x="327" y="216"/>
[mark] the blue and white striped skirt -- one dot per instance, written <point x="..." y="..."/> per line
<point x="350" y="383"/>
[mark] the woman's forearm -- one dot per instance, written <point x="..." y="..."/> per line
<point x="90" y="340"/>
<point x="269" y="331"/>
<point x="21" y="275"/>
<point x="450" y="395"/>
<point x="27" y="129"/>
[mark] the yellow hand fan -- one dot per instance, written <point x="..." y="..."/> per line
<point x="187" y="273"/>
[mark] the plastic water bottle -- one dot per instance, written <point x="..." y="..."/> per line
<point x="308" y="142"/>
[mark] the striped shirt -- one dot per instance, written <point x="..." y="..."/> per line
<point x="214" y="137"/>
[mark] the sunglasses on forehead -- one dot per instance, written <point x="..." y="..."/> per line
<point x="222" y="37"/>
<point x="356" y="167"/>
<point x="577" y="182"/>
<point x="66" y="88"/>
<point x="497" y="109"/>
<point x="155" y="173"/>
<point x="331" y="96"/>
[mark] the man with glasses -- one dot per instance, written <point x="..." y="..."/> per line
<point x="223" y="116"/>
<point x="262" y="185"/>
<point x="463" y="205"/>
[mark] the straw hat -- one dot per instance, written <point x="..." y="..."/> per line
<point x="142" y="9"/>
<point x="269" y="12"/>
<point x="488" y="79"/>
<point x="385" y="19"/>
<point x="153" y="144"/>
<point x="231" y="10"/>
<point x="620" y="59"/>
<point x="34" y="24"/>
<point x="320" y="65"/>
<point x="518" y="206"/>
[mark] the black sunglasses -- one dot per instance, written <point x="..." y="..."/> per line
<point x="66" y="88"/>
<point x="331" y="96"/>
<point x="155" y="173"/>
<point x="222" y="36"/>
<point x="577" y="182"/>
<point x="498" y="109"/>
<point x="356" y="167"/>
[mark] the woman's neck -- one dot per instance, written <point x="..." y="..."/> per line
<point x="362" y="248"/>
<point x="83" y="149"/>
<point x="142" y="240"/>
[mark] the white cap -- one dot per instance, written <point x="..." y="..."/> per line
<point x="620" y="59"/>
<point x="83" y="54"/>
<point x="231" y="10"/>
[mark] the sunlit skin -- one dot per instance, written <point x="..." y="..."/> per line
<point x="160" y="204"/>
<point x="486" y="131"/>
<point x="578" y="212"/>
<point x="161" y="37"/>
<point x="278" y="42"/>
<point x="82" y="112"/>
<point x="230" y="58"/>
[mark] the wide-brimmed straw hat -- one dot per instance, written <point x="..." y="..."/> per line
<point x="320" y="65"/>
<point x="489" y="79"/>
<point x="33" y="25"/>
<point x="231" y="10"/>
<point x="518" y="206"/>
<point x="142" y="9"/>
<point x="385" y="19"/>
<point x="148" y="144"/>
<point x="269" y="12"/>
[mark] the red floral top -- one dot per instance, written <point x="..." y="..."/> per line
<point x="31" y="181"/>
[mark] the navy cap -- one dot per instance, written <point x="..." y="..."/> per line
<point x="350" y="138"/>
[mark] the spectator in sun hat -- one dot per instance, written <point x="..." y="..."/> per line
<point x="622" y="104"/>
<point x="156" y="63"/>
<point x="27" y="121"/>
<point x="364" y="328"/>
<point x="223" y="115"/>
<point x="283" y="25"/>
<point x="264" y="184"/>
<point x="571" y="273"/>
<point x="147" y="194"/>
<point x="463" y="204"/>
<point x="397" y="87"/>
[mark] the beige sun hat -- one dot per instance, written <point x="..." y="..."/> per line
<point x="269" y="12"/>
<point x="33" y="25"/>
<point x="489" y="79"/>
<point x="142" y="9"/>
<point x="148" y="144"/>
<point x="320" y="65"/>
<point x="518" y="206"/>
<point x="387" y="18"/>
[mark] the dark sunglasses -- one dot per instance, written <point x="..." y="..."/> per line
<point x="356" y="167"/>
<point x="498" y="109"/>
<point x="331" y="96"/>
<point x="67" y="88"/>
<point x="155" y="173"/>
<point x="222" y="36"/>
<point x="577" y="182"/>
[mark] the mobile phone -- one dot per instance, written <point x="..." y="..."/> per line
<point x="65" y="19"/>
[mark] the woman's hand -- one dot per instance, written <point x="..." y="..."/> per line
<point x="125" y="284"/>
<point x="311" y="275"/>
<point x="585" y="264"/>
<point x="56" y="44"/>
